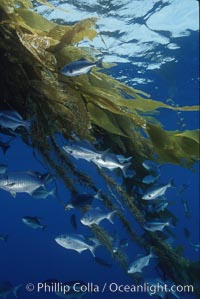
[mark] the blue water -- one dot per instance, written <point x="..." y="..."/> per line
<point x="32" y="256"/>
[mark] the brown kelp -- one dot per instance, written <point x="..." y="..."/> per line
<point x="91" y="106"/>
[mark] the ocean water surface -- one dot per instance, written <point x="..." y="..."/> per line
<point x="154" y="47"/>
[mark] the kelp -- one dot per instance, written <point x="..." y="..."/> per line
<point x="47" y="45"/>
<point x="8" y="6"/>
<point x="89" y="107"/>
<point x="45" y="2"/>
<point x="173" y="146"/>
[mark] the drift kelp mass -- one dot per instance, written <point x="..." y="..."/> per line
<point x="57" y="98"/>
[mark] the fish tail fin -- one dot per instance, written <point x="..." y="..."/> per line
<point x="99" y="63"/>
<point x="128" y="159"/>
<point x="124" y="169"/>
<point x="95" y="241"/>
<point x="123" y="159"/>
<point x="16" y="290"/>
<point x="98" y="195"/>
<point x="170" y="223"/>
<point x="111" y="216"/>
<point x="93" y="249"/>
<point x="53" y="192"/>
<point x="68" y="207"/>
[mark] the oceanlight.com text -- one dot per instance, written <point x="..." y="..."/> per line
<point x="113" y="287"/>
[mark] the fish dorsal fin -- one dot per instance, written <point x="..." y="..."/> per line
<point x="106" y="151"/>
<point x="103" y="156"/>
<point x="39" y="189"/>
<point x="85" y="149"/>
<point x="34" y="173"/>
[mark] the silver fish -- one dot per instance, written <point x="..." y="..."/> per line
<point x="12" y="120"/>
<point x="151" y="166"/>
<point x="111" y="162"/>
<point x="6" y="289"/>
<point x="79" y="67"/>
<point x="157" y="207"/>
<point x="150" y="179"/>
<point x="17" y="182"/>
<point x="95" y="216"/>
<point x="79" y="152"/>
<point x="154" y="226"/>
<point x="75" y="242"/>
<point x="139" y="264"/>
<point x="33" y="222"/>
<point x="156" y="192"/>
